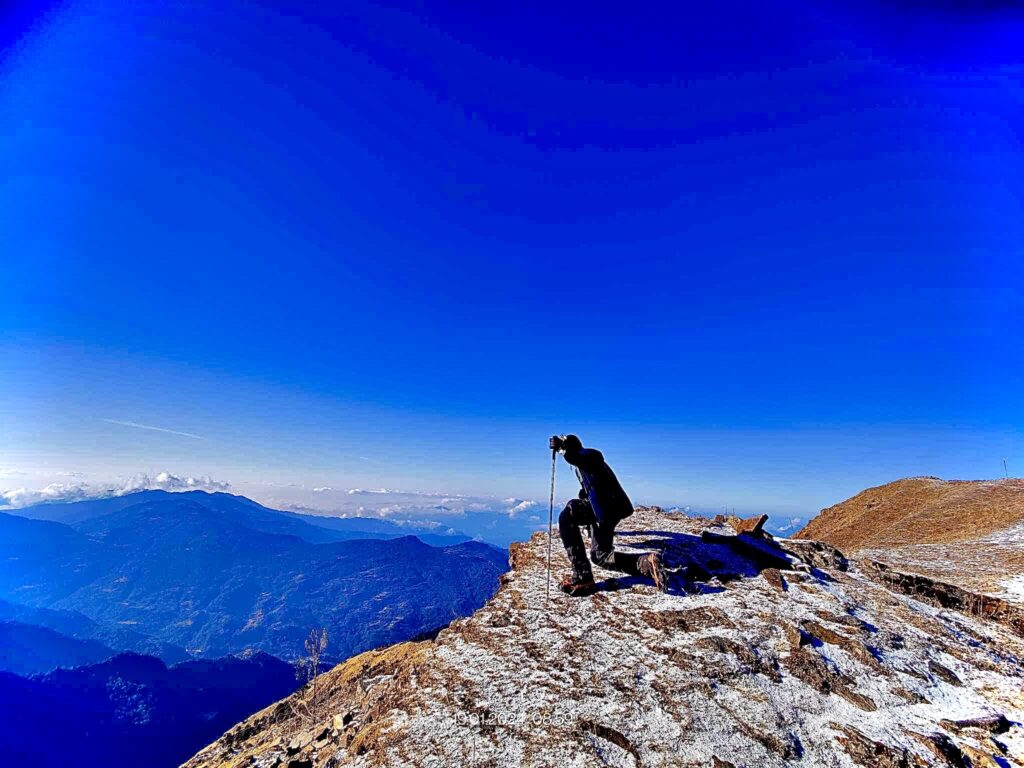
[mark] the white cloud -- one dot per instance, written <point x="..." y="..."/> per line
<point x="793" y="524"/>
<point x="165" y="481"/>
<point x="323" y="489"/>
<point x="520" y="506"/>
<point x="493" y="518"/>
<point x="23" y="497"/>
<point x="394" y="504"/>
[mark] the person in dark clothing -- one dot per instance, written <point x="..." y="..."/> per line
<point x="601" y="505"/>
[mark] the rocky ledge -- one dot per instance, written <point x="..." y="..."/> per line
<point x="763" y="653"/>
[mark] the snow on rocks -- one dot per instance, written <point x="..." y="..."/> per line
<point x="808" y="666"/>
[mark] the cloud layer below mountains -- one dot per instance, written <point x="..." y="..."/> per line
<point x="387" y="503"/>
<point x="77" y="491"/>
<point x="495" y="520"/>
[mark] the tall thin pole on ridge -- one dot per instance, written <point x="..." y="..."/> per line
<point x="551" y="519"/>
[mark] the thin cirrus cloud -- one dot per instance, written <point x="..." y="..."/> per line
<point x="136" y="425"/>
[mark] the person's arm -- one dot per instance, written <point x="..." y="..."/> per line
<point x="587" y="459"/>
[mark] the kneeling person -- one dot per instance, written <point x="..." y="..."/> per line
<point x="601" y="505"/>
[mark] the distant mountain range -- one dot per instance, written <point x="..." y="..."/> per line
<point x="71" y="624"/>
<point x="26" y="649"/>
<point x="132" y="710"/>
<point x="217" y="574"/>
<point x="186" y="575"/>
<point x="316" y="529"/>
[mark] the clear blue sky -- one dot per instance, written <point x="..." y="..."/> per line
<point x="764" y="255"/>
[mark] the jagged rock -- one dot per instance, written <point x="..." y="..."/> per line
<point x="991" y="723"/>
<point x="599" y="732"/>
<point x="851" y="645"/>
<point x="871" y="753"/>
<point x="718" y="763"/>
<point x="812" y="670"/>
<point x="300" y="742"/>
<point x="761" y="552"/>
<point x="822" y="633"/>
<point x="944" y="748"/>
<point x="913" y="697"/>
<point x="797" y="637"/>
<point x="948" y="595"/>
<point x="749" y="525"/>
<point x="981" y="759"/>
<point x="816" y="554"/>
<point x="631" y="676"/>
<point x="750" y="661"/>
<point x="774" y="577"/>
<point x="944" y="673"/>
<point x="688" y="621"/>
<point x="845" y="620"/>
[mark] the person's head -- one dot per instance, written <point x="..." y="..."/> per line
<point x="571" y="445"/>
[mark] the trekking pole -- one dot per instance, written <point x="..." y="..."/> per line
<point x="551" y="517"/>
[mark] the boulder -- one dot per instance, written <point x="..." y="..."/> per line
<point x="991" y="723"/>
<point x="300" y="742"/>
<point x="749" y="525"/>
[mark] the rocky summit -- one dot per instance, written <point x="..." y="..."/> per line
<point x="763" y="653"/>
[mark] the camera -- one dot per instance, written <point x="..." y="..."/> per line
<point x="555" y="443"/>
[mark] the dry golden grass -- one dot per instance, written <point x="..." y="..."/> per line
<point x="920" y="510"/>
<point x="278" y="723"/>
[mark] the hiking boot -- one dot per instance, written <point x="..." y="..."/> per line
<point x="653" y="568"/>
<point x="578" y="586"/>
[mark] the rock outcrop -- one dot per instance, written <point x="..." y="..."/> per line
<point x="761" y="654"/>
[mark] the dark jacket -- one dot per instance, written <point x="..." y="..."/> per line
<point x="599" y="486"/>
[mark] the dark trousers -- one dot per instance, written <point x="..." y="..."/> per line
<point x="578" y="512"/>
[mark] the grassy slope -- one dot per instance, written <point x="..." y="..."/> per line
<point x="920" y="510"/>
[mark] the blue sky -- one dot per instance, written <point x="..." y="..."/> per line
<point x="762" y="256"/>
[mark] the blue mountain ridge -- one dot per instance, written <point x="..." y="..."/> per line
<point x="217" y="574"/>
<point x="312" y="528"/>
<point x="133" y="710"/>
<point x="212" y="577"/>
